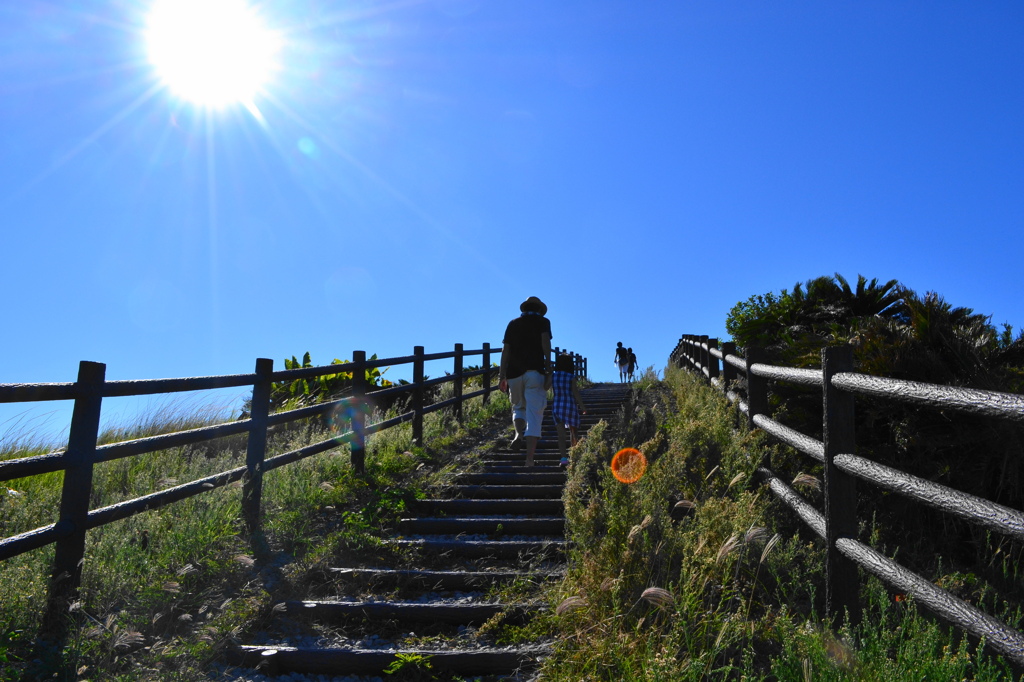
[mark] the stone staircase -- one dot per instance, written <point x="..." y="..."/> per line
<point x="503" y="525"/>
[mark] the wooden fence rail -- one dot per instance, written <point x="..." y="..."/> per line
<point x="82" y="453"/>
<point x="836" y="524"/>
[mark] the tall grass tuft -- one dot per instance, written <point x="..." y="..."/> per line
<point x="164" y="591"/>
<point x="731" y="589"/>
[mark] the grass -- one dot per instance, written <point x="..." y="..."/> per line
<point x="164" y="591"/>
<point x="731" y="591"/>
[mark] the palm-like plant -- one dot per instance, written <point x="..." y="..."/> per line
<point x="931" y="341"/>
<point x="897" y="333"/>
<point x="795" y="325"/>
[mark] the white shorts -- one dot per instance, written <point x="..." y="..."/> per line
<point x="528" y="398"/>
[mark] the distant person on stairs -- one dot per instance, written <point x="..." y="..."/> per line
<point x="622" y="361"/>
<point x="632" y="364"/>
<point x="525" y="374"/>
<point x="567" y="404"/>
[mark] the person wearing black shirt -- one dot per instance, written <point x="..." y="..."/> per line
<point x="524" y="373"/>
<point x="622" y="361"/>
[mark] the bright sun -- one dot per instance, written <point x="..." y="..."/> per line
<point x="211" y="52"/>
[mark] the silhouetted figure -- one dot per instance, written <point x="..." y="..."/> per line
<point x="622" y="361"/>
<point x="524" y="372"/>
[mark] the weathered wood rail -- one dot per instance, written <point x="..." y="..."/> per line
<point x="837" y="522"/>
<point x="83" y="453"/>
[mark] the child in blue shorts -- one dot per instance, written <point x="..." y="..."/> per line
<point x="567" y="404"/>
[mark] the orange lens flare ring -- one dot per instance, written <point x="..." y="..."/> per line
<point x="628" y="465"/>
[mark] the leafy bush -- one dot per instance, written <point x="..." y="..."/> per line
<point x="896" y="333"/>
<point x="730" y="591"/>
<point x="328" y="386"/>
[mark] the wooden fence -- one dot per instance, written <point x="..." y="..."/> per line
<point x="837" y="522"/>
<point x="83" y="453"/>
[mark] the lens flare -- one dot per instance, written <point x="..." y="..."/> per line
<point x="345" y="420"/>
<point x="629" y="465"/>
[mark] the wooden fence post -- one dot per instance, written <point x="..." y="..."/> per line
<point x="256" y="450"/>
<point x="757" y="387"/>
<point x="728" y="371"/>
<point x="457" y="371"/>
<point x="842" y="581"/>
<point x="357" y="408"/>
<point x="712" y="360"/>
<point x="69" y="553"/>
<point x="704" y="355"/>
<point x="586" y="373"/>
<point x="486" y="378"/>
<point x="417" y="396"/>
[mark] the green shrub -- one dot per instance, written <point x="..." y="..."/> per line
<point x="731" y="591"/>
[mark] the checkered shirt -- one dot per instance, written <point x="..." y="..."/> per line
<point x="563" y="407"/>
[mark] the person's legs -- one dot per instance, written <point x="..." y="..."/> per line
<point x="562" y="449"/>
<point x="536" y="397"/>
<point x="517" y="396"/>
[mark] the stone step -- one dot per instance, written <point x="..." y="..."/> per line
<point x="539" y="457"/>
<point x="448" y="613"/>
<point x="549" y="507"/>
<point x="442" y="580"/>
<point x="509" y="468"/>
<point x="476" y="549"/>
<point x="523" y="478"/>
<point x="521" y="502"/>
<point x="336" y="661"/>
<point x="454" y="525"/>
<point x="547" y="448"/>
<point x="506" y="492"/>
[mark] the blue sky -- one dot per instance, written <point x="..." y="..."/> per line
<point x="417" y="169"/>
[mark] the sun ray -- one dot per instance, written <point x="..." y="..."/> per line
<point x="350" y="15"/>
<point x="212" y="227"/>
<point x="87" y="140"/>
<point x="251" y="107"/>
<point x="394" y="192"/>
